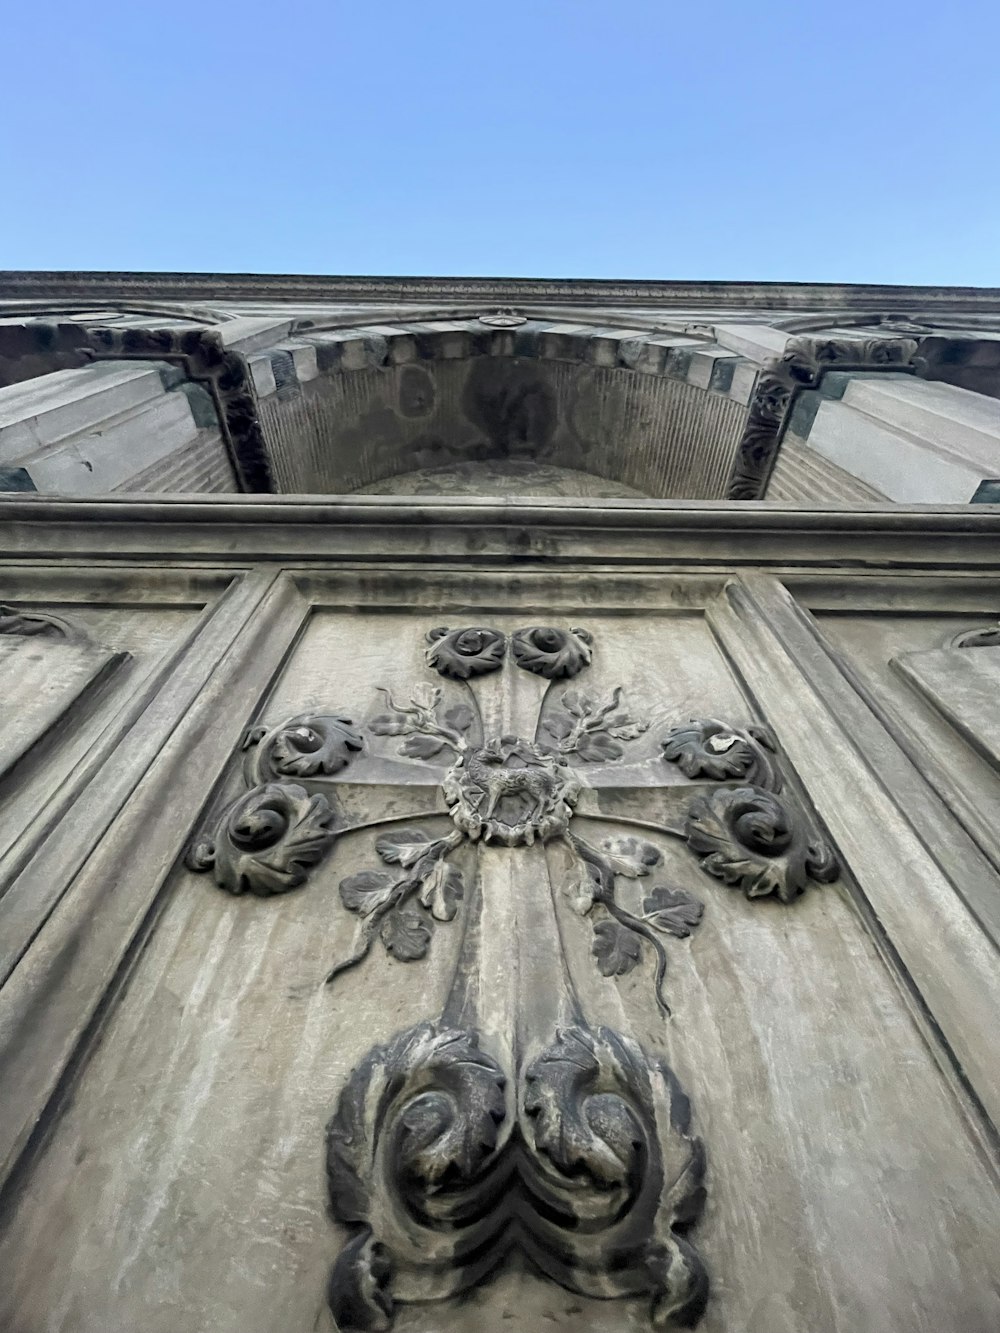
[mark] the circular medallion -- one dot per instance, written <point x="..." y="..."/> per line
<point x="511" y="791"/>
<point x="503" y="319"/>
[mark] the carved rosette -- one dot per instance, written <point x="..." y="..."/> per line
<point x="708" y="748"/>
<point x="265" y="842"/>
<point x="554" y="653"/>
<point x="750" y="839"/>
<point x="512" y="792"/>
<point x="590" y="1170"/>
<point x="309" y="745"/>
<point x="464" y="653"/>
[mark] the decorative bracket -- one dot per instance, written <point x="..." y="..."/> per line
<point x="802" y="366"/>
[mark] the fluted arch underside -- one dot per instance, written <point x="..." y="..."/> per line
<point x="449" y="399"/>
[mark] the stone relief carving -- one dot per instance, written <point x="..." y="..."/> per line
<point x="554" y="653"/>
<point x="618" y="934"/>
<point x="985" y="636"/>
<point x="802" y="366"/>
<point x="266" y="841"/>
<point x="303" y="746"/>
<point x="470" y="1135"/>
<point x="461" y="653"/>
<point x="426" y="734"/>
<point x="402" y="908"/>
<point x="708" y="748"/>
<point x="749" y="837"/>
<point x="511" y="791"/>
<point x="592" y="729"/>
<point x="37" y="624"/>
<point x="434" y="1159"/>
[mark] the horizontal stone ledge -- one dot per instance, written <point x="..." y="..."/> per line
<point x="215" y="287"/>
<point x="399" y="510"/>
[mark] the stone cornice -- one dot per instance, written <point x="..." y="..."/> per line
<point x="778" y="296"/>
<point x="376" y="531"/>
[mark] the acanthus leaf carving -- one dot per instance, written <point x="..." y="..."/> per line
<point x="589" y="1104"/>
<point x="434" y="1166"/>
<point x="266" y="841"/>
<point x="406" y="1147"/>
<point x="750" y="838"/>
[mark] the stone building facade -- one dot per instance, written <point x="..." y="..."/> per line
<point x="499" y="789"/>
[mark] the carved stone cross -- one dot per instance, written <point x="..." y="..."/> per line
<point x="510" y="1122"/>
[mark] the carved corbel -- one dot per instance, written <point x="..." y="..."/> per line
<point x="802" y="366"/>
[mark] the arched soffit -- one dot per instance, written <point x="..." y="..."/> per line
<point x="647" y="407"/>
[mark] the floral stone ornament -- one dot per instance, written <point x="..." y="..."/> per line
<point x="463" y="653"/>
<point x="554" y="653"/>
<point x="448" y="1148"/>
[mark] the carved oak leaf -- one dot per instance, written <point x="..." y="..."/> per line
<point x="389" y="724"/>
<point x="598" y="748"/>
<point x="421" y="747"/>
<point x="559" y="726"/>
<point x="626" y="728"/>
<point x="424" y="696"/>
<point x="366" y="892"/>
<point x="460" y="717"/>
<point x="632" y="857"/>
<point x="616" y="948"/>
<point x="406" y="933"/>
<point x="404" y="847"/>
<point x="442" y="891"/>
<point x="673" y="911"/>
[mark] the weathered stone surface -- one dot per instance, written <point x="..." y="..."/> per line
<point x="507" y="901"/>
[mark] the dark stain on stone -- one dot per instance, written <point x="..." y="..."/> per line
<point x="417" y="395"/>
<point x="512" y="405"/>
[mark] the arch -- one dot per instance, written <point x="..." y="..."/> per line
<point x="655" y="409"/>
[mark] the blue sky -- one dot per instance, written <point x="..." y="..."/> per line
<point x="845" y="141"/>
